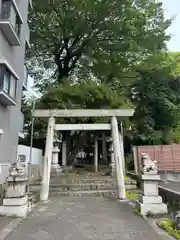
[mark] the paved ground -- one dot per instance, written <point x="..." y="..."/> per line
<point x="80" y="218"/>
<point x="4" y="221"/>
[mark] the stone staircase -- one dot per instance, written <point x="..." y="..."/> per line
<point x="87" y="185"/>
<point x="83" y="183"/>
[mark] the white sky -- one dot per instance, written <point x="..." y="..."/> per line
<point x="172" y="9"/>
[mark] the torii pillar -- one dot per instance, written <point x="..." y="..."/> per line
<point x="64" y="153"/>
<point x="44" y="192"/>
<point x="121" y="193"/>
<point x="95" y="155"/>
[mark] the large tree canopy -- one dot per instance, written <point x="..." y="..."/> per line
<point x="100" y="37"/>
<point x="157" y="99"/>
<point x="92" y="53"/>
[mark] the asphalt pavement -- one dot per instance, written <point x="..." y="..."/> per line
<point x="82" y="218"/>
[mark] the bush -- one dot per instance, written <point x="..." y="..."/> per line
<point x="169" y="226"/>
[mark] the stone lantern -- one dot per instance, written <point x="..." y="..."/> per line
<point x="55" y="167"/>
<point x="112" y="164"/>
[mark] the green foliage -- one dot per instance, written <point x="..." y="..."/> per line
<point x="169" y="226"/>
<point x="175" y="63"/>
<point x="84" y="95"/>
<point x="157" y="97"/>
<point x="132" y="195"/>
<point x="106" y="54"/>
<point x="101" y="38"/>
<point x="26" y="108"/>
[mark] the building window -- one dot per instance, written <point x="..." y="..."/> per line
<point x="18" y="26"/>
<point x="10" y="13"/>
<point x="6" y="9"/>
<point x="8" y="82"/>
<point x="12" y="90"/>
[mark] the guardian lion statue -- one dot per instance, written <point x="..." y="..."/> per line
<point x="147" y="164"/>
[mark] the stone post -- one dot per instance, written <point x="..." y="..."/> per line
<point x="95" y="155"/>
<point x="15" y="203"/>
<point x="150" y="201"/>
<point x="121" y="193"/>
<point x="135" y="159"/>
<point x="64" y="153"/>
<point x="44" y="193"/>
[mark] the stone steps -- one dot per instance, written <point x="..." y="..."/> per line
<point x="104" y="193"/>
<point x="85" y="186"/>
<point x="88" y="186"/>
<point x="81" y="180"/>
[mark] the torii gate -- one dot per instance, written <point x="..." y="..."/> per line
<point x="67" y="113"/>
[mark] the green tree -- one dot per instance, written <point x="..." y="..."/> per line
<point x="85" y="95"/>
<point x="157" y="99"/>
<point x="175" y="63"/>
<point x="74" y="38"/>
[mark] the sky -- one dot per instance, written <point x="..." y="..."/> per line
<point x="172" y="9"/>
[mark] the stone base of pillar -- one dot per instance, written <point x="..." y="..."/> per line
<point x="55" y="170"/>
<point x="15" y="211"/>
<point x="155" y="209"/>
<point x="149" y="200"/>
<point x="15" y="203"/>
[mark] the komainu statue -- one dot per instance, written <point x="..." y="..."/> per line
<point x="148" y="166"/>
<point x="16" y="169"/>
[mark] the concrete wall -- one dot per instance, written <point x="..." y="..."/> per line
<point x="170" y="176"/>
<point x="36" y="154"/>
<point x="164" y="176"/>
<point x="10" y="115"/>
<point x="36" y="162"/>
<point x="4" y="170"/>
<point x="171" y="198"/>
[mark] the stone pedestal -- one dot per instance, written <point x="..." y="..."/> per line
<point x="149" y="200"/>
<point x="55" y="167"/>
<point x="15" y="203"/>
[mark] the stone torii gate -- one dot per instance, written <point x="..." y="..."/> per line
<point x="67" y="113"/>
